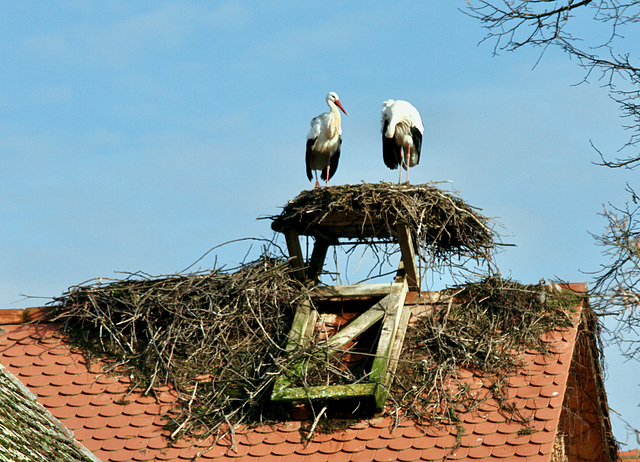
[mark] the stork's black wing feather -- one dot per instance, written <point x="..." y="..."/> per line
<point x="391" y="152"/>
<point x="417" y="143"/>
<point x="310" y="144"/>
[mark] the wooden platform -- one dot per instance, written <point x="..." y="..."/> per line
<point x="335" y="225"/>
<point x="328" y="228"/>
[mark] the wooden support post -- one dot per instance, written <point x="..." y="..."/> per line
<point x="302" y="327"/>
<point x="295" y="252"/>
<point x="317" y="259"/>
<point x="408" y="256"/>
<point x="404" y="313"/>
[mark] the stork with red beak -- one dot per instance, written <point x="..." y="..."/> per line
<point x="324" y="140"/>
<point x="401" y="131"/>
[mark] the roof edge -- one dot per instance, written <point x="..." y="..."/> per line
<point x="595" y="357"/>
<point x="25" y="315"/>
<point x="68" y="434"/>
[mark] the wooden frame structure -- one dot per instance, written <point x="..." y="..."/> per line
<point x="389" y="309"/>
<point x="310" y="272"/>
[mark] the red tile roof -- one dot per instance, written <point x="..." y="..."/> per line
<point x="119" y="425"/>
<point x="629" y="456"/>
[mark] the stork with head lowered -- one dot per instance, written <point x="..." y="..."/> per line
<point x="401" y="132"/>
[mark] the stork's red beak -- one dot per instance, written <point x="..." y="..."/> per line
<point x="339" y="104"/>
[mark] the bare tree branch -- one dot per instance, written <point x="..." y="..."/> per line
<point x="513" y="24"/>
<point x="617" y="288"/>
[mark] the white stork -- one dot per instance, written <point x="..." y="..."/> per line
<point x="324" y="140"/>
<point x="401" y="130"/>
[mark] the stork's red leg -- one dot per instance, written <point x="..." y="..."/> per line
<point x="328" y="168"/>
<point x="317" y="184"/>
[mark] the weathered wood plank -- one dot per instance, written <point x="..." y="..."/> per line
<point x="408" y="256"/>
<point x="300" y="335"/>
<point x="295" y="252"/>
<point x="353" y="290"/>
<point x="329" y="391"/>
<point x="396" y="348"/>
<point x="387" y="342"/>
<point x="302" y="327"/>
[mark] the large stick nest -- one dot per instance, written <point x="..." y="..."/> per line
<point x="441" y="222"/>
<point x="219" y="332"/>
<point x="219" y="339"/>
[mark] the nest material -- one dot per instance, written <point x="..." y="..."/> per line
<point x="440" y="221"/>
<point x="220" y="330"/>
<point x="219" y="339"/>
<point x="482" y="327"/>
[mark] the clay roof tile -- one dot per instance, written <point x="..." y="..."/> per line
<point x="413" y="432"/>
<point x="367" y="434"/>
<point x="400" y="444"/>
<point x="494" y="439"/>
<point x="377" y="443"/>
<point x="354" y="446"/>
<point x="459" y="453"/>
<point x="424" y="442"/>
<point x="271" y="458"/>
<point x="434" y="453"/>
<point x="409" y="455"/>
<point x="331" y="447"/>
<point x="284" y="449"/>
<point x="385" y="455"/>
<point x="363" y="456"/>
<point x="528" y="449"/>
<point x="471" y="440"/>
<point x="88" y="400"/>
<point x="503" y="451"/>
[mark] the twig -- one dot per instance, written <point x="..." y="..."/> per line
<point x="193" y="395"/>
<point x="315" y="423"/>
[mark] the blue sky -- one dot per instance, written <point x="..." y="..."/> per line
<point x="135" y="136"/>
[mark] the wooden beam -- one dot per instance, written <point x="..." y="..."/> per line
<point x="299" y="337"/>
<point x="302" y="327"/>
<point x="391" y="333"/>
<point x="396" y="349"/>
<point x="317" y="259"/>
<point x="358" y="325"/>
<point x="295" y="252"/>
<point x="408" y="256"/>
<point x="352" y="290"/>
<point x="357" y="390"/>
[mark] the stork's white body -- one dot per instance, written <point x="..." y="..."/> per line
<point x="324" y="141"/>
<point x="401" y="132"/>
